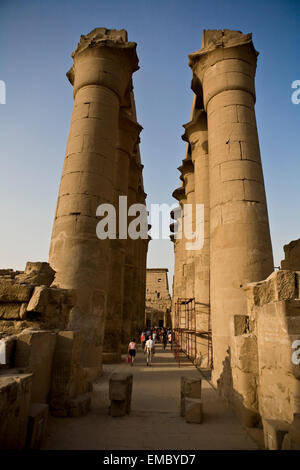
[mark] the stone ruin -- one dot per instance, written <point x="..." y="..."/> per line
<point x="158" y="299"/>
<point x="233" y="312"/>
<point x="60" y="321"/>
<point x="238" y="316"/>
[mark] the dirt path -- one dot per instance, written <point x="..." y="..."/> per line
<point x="154" y="422"/>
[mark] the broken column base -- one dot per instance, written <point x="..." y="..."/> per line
<point x="193" y="410"/>
<point x="190" y="388"/>
<point x="120" y="391"/>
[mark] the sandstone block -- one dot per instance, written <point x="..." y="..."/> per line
<point x="11" y="291"/>
<point x="274" y="432"/>
<point x="67" y="376"/>
<point x="292" y="256"/>
<point x="119" y="386"/>
<point x="52" y="305"/>
<point x="10" y="311"/>
<point x="191" y="387"/>
<point x="15" y="393"/>
<point x="120" y="391"/>
<point x="193" y="410"/>
<point x="37" y="425"/>
<point x="36" y="274"/>
<point x="35" y="352"/>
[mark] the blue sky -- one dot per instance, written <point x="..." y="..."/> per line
<point x="36" y="40"/>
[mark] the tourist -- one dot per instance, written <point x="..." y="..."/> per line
<point x="165" y="339"/>
<point x="143" y="339"/>
<point x="132" y="351"/>
<point x="149" y="349"/>
<point x="154" y="334"/>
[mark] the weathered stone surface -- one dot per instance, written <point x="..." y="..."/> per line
<point x="10" y="311"/>
<point x="241" y="324"/>
<point x="36" y="274"/>
<point x="37" y="425"/>
<point x="68" y="377"/>
<point x="158" y="300"/>
<point x="9" y="327"/>
<point x="274" y="432"/>
<point x="11" y="291"/>
<point x="15" y="393"/>
<point x="34" y="352"/>
<point x="51" y="305"/>
<point x="292" y="256"/>
<point x="190" y="387"/>
<point x="193" y="410"/>
<point x="120" y="391"/>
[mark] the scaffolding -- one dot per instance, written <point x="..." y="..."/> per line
<point x="186" y="330"/>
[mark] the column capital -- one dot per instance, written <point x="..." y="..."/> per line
<point x="196" y="125"/>
<point x="104" y="57"/>
<point x="226" y="61"/>
<point x="179" y="193"/>
<point x="187" y="167"/>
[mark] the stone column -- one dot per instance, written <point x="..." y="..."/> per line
<point x="101" y="75"/>
<point x="241" y="251"/>
<point x="187" y="173"/>
<point x="129" y="305"/>
<point x="196" y="135"/>
<point x="141" y="268"/>
<point x="179" y="194"/>
<point x="127" y="139"/>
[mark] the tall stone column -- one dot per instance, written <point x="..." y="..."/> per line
<point x="196" y="135"/>
<point x="129" y="305"/>
<point x="179" y="245"/>
<point x="187" y="174"/>
<point x="141" y="268"/>
<point x="241" y="251"/>
<point x="101" y="76"/>
<point x="127" y="139"/>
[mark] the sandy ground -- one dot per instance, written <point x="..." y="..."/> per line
<point x="154" y="422"/>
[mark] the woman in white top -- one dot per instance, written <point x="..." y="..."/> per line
<point x="132" y="351"/>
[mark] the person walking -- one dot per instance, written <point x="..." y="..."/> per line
<point x="132" y="351"/>
<point x="143" y="339"/>
<point x="165" y="339"/>
<point x="154" y="335"/>
<point x="149" y="349"/>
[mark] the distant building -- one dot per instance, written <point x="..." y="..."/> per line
<point x="158" y="299"/>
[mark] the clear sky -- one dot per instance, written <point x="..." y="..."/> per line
<point x="36" y="40"/>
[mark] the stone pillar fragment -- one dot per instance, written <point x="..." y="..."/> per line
<point x="101" y="76"/>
